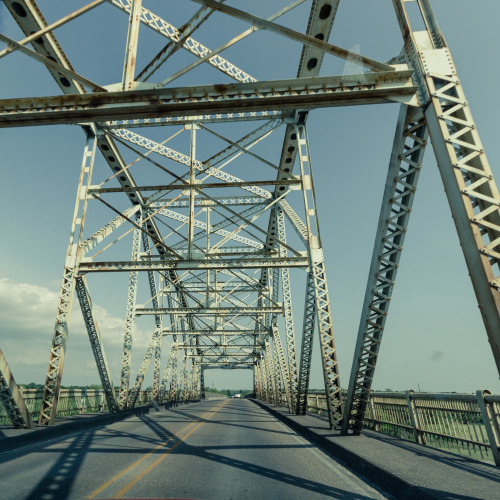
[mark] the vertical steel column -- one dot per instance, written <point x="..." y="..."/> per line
<point x="271" y="284"/>
<point x="414" y="418"/>
<point x="196" y="381"/>
<point x="173" y="389"/>
<point x="131" y="48"/>
<point x="307" y="345"/>
<point x="263" y="379"/>
<point x="182" y="381"/>
<point x="192" y="381"/>
<point x="134" y="392"/>
<point x="404" y="168"/>
<point x="287" y="309"/>
<point x="172" y="357"/>
<point x="468" y="181"/>
<point x="58" y="348"/>
<point x="317" y="266"/>
<point x="96" y="344"/>
<point x="185" y="378"/>
<point x="269" y="378"/>
<point x="167" y="371"/>
<point x="158" y="320"/>
<point x="192" y="190"/>
<point x="202" y="383"/>
<point x="188" y="390"/>
<point x="271" y="374"/>
<point x="157" y="367"/>
<point x="275" y="294"/>
<point x="129" y="319"/>
<point x="277" y="374"/>
<point x="262" y="394"/>
<point x="282" y="364"/>
<point x="266" y="282"/>
<point x="490" y="422"/>
<point x="256" y="383"/>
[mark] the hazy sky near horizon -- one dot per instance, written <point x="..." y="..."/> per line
<point x="434" y="338"/>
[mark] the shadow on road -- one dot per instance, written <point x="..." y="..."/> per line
<point x="56" y="484"/>
<point x="207" y="453"/>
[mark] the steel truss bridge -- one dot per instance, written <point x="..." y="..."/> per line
<point x="212" y="230"/>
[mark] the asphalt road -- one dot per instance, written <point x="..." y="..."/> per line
<point x="223" y="449"/>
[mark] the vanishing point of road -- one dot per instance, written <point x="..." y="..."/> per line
<point x="218" y="449"/>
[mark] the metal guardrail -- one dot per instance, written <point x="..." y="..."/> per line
<point x="71" y="402"/>
<point x="460" y="423"/>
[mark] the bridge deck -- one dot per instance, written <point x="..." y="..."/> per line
<point x="214" y="449"/>
<point x="224" y="449"/>
<point x="405" y="469"/>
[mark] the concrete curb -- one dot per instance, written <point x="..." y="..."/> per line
<point x="390" y="482"/>
<point x="46" y="433"/>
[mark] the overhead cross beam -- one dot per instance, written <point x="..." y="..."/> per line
<point x="295" y="35"/>
<point x="306" y="93"/>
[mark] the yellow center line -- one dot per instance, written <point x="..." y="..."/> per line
<point x="159" y="459"/>
<point x="117" y="476"/>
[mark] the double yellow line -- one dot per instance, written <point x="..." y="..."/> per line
<point x="181" y="437"/>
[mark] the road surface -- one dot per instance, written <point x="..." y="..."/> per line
<point x="222" y="449"/>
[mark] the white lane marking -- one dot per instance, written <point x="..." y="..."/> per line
<point x="335" y="465"/>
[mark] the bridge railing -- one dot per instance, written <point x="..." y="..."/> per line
<point x="460" y="423"/>
<point x="71" y="402"/>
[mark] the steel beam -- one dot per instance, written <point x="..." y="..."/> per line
<point x="167" y="372"/>
<point x="12" y="399"/>
<point x="261" y="23"/>
<point x="213" y="333"/>
<point x="192" y="265"/>
<point x="169" y="31"/>
<point x="287" y="309"/>
<point x="29" y="18"/>
<point x="96" y="344"/>
<point x="58" y="348"/>
<point x="304" y="93"/>
<point x="134" y="392"/>
<point x="472" y="192"/>
<point x="317" y="268"/>
<point x="271" y="374"/>
<point x="244" y="311"/>
<point x="129" y="321"/>
<point x="128" y="78"/>
<point x="307" y="345"/>
<point x="282" y="364"/>
<point x="187" y="29"/>
<point x="321" y="19"/>
<point x="404" y="168"/>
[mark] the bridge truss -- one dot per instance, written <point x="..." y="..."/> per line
<point x="203" y="196"/>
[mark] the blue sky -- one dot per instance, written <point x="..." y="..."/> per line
<point x="434" y="336"/>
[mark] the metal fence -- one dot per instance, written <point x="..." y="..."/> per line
<point x="461" y="423"/>
<point x="71" y="402"/>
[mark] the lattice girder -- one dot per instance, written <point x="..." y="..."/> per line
<point x="213" y="207"/>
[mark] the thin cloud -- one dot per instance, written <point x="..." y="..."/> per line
<point x="27" y="317"/>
